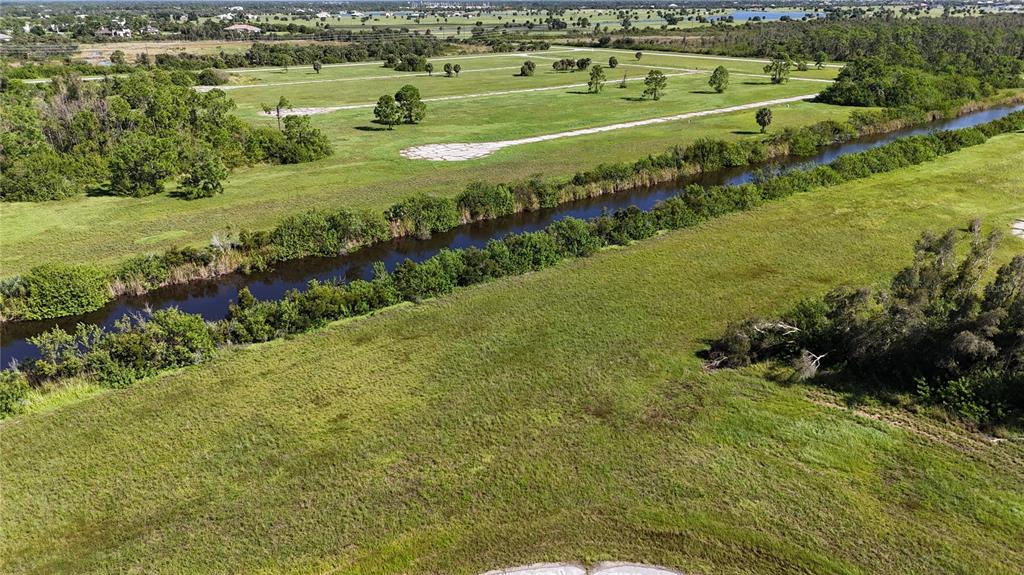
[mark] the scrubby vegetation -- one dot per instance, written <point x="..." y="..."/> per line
<point x="939" y="332"/>
<point x="342" y="231"/>
<point x="129" y="135"/>
<point x="251" y="321"/>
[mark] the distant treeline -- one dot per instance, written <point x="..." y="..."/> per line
<point x="282" y="54"/>
<point x="892" y="62"/>
<point x="139" y="347"/>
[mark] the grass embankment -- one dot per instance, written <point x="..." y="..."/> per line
<point x="366" y="170"/>
<point x="560" y="415"/>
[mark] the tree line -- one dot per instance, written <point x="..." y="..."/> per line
<point x="129" y="135"/>
<point x="140" y="347"/>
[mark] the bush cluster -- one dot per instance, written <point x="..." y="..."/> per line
<point x="130" y="135"/>
<point x="933" y="333"/>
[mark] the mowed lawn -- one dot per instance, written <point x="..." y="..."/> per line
<point x="557" y="416"/>
<point x="366" y="170"/>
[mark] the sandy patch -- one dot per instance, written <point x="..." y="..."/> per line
<point x="604" y="568"/>
<point x="459" y="152"/>
<point x="1017" y="228"/>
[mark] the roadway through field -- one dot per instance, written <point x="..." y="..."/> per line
<point x="461" y="151"/>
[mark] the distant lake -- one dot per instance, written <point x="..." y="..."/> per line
<point x="744" y="15"/>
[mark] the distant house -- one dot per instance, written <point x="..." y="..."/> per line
<point x="323" y="14"/>
<point x="4" y="38"/>
<point x="150" y="30"/>
<point x="243" y="29"/>
<point x="236" y="9"/>
<point x="114" y="33"/>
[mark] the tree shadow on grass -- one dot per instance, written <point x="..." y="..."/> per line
<point x="753" y="83"/>
<point x="372" y="128"/>
<point x="578" y="92"/>
<point x="745" y="132"/>
<point x="99" y="191"/>
<point x="634" y="99"/>
<point x="703" y="92"/>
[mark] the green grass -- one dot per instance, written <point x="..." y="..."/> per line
<point x="366" y="170"/>
<point x="560" y="415"/>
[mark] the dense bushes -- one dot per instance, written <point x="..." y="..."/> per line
<point x="870" y="82"/>
<point x="481" y="200"/>
<point x="212" y="77"/>
<point x="934" y="333"/>
<point x="133" y="132"/>
<point x="55" y="290"/>
<point x="171" y="339"/>
<point x="138" y="347"/>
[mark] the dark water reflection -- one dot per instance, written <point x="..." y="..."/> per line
<point x="210" y="298"/>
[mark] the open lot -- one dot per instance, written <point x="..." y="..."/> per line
<point x="367" y="170"/>
<point x="557" y="416"/>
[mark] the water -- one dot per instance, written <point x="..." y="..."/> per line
<point x="766" y="15"/>
<point x="210" y="298"/>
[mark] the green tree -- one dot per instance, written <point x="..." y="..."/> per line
<point x="388" y="112"/>
<point x="117" y="58"/>
<point x="413" y="108"/>
<point x="613" y="62"/>
<point x="278" y="109"/>
<point x="582" y="64"/>
<point x="597" y="79"/>
<point x="13" y="391"/>
<point x="448" y="69"/>
<point x="304" y="142"/>
<point x="317" y="65"/>
<point x="206" y="172"/>
<point x="764" y="118"/>
<point x="638" y="55"/>
<point x="819" y="59"/>
<point x="655" y="84"/>
<point x="527" y="68"/>
<point x="430" y="69"/>
<point x="719" y="79"/>
<point x="457" y="68"/>
<point x="140" y="163"/>
<point x="779" y="69"/>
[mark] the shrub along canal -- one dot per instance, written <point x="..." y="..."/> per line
<point x="210" y="298"/>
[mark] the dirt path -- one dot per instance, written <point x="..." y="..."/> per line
<point x="326" y="109"/>
<point x="603" y="568"/>
<point x="459" y="152"/>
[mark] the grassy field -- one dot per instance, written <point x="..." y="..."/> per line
<point x="366" y="170"/>
<point x="557" y="416"/>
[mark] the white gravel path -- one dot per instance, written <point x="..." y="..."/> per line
<point x="604" y="568"/>
<point x="326" y="109"/>
<point x="460" y="151"/>
<point x="1017" y="228"/>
